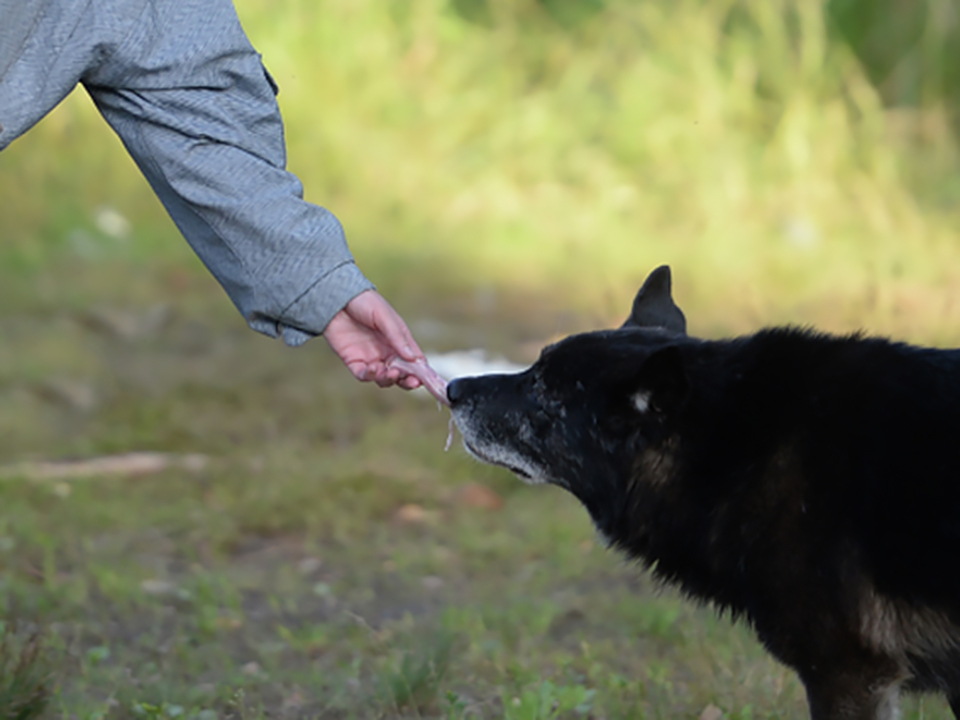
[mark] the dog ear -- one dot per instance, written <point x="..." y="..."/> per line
<point x="654" y="306"/>
<point x="661" y="384"/>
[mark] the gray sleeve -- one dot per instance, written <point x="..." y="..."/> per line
<point x="191" y="101"/>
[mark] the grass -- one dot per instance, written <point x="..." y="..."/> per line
<point x="506" y="172"/>
<point x="24" y="678"/>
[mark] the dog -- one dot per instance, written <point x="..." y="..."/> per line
<point x="805" y="482"/>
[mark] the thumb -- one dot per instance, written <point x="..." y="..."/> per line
<point x="372" y="310"/>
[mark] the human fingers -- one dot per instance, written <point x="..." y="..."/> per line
<point x="410" y="382"/>
<point x="397" y="333"/>
<point x="386" y="376"/>
<point x="360" y="370"/>
<point x="372" y="310"/>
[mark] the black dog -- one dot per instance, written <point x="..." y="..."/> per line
<point x="806" y="482"/>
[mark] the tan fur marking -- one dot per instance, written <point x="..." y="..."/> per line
<point x="888" y="707"/>
<point x="895" y="628"/>
<point x="655" y="466"/>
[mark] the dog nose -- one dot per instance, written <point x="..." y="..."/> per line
<point x="455" y="391"/>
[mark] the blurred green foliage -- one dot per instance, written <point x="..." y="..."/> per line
<point x="783" y="154"/>
<point x="908" y="48"/>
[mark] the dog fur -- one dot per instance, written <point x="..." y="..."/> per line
<point x="805" y="482"/>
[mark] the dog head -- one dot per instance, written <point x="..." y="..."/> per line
<point x="593" y="404"/>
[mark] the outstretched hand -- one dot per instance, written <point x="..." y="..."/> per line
<point x="367" y="334"/>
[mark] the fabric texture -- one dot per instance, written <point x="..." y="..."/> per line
<point x="17" y="20"/>
<point x="180" y="83"/>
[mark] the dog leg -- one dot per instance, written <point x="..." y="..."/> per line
<point x="848" y="697"/>
<point x="954" y="700"/>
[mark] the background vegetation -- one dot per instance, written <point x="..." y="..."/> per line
<point x="507" y="170"/>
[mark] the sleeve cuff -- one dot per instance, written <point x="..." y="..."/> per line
<point x="308" y="316"/>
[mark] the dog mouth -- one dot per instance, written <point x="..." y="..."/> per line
<point x="517" y="471"/>
<point x="493" y="461"/>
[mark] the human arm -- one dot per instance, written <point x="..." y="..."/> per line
<point x="186" y="92"/>
<point x="192" y="103"/>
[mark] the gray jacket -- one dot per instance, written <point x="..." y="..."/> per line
<point x="186" y="92"/>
